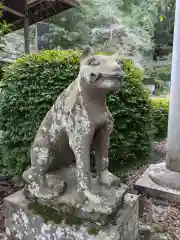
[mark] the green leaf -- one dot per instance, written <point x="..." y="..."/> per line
<point x="161" y="18"/>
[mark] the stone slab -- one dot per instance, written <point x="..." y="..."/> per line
<point x="24" y="224"/>
<point x="150" y="188"/>
<point x="67" y="203"/>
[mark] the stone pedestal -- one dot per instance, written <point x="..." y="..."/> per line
<point x="27" y="221"/>
<point x="149" y="187"/>
<point x="64" y="218"/>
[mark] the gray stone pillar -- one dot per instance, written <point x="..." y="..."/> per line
<point x="168" y="175"/>
<point x="173" y="155"/>
<point x="163" y="180"/>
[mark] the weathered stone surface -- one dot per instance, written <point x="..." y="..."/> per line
<point x="24" y="224"/>
<point x="68" y="203"/>
<point x="164" y="177"/>
<point x="149" y="187"/>
<point x="78" y="120"/>
<point x="3" y="236"/>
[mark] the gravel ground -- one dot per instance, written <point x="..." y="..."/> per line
<point x="160" y="216"/>
<point x="163" y="217"/>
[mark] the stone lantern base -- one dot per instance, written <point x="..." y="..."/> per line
<point x="159" y="182"/>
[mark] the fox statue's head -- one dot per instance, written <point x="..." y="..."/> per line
<point x="99" y="71"/>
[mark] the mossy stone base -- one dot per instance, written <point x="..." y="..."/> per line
<point x="27" y="221"/>
<point x="69" y="204"/>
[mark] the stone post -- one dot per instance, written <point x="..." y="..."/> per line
<point x="163" y="180"/>
<point x="173" y="155"/>
<point x="168" y="175"/>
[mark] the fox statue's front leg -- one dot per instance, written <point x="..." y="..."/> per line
<point x="80" y="143"/>
<point x="35" y="176"/>
<point x="101" y="143"/>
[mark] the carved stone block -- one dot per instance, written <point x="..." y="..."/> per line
<point x="23" y="221"/>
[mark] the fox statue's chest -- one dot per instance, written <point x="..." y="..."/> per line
<point x="84" y="116"/>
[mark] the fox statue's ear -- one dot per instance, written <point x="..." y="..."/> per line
<point x="87" y="51"/>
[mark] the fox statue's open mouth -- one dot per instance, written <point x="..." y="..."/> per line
<point x="110" y="82"/>
<point x="114" y="76"/>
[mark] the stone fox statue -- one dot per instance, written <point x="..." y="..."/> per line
<point x="78" y="120"/>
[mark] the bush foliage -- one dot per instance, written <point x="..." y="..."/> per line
<point x="160" y="110"/>
<point x="31" y="85"/>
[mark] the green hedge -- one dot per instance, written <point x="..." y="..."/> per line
<point x="160" y="109"/>
<point x="31" y="85"/>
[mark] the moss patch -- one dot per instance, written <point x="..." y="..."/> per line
<point x="93" y="231"/>
<point x="48" y="213"/>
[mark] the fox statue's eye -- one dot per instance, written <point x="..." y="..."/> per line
<point x="93" y="62"/>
